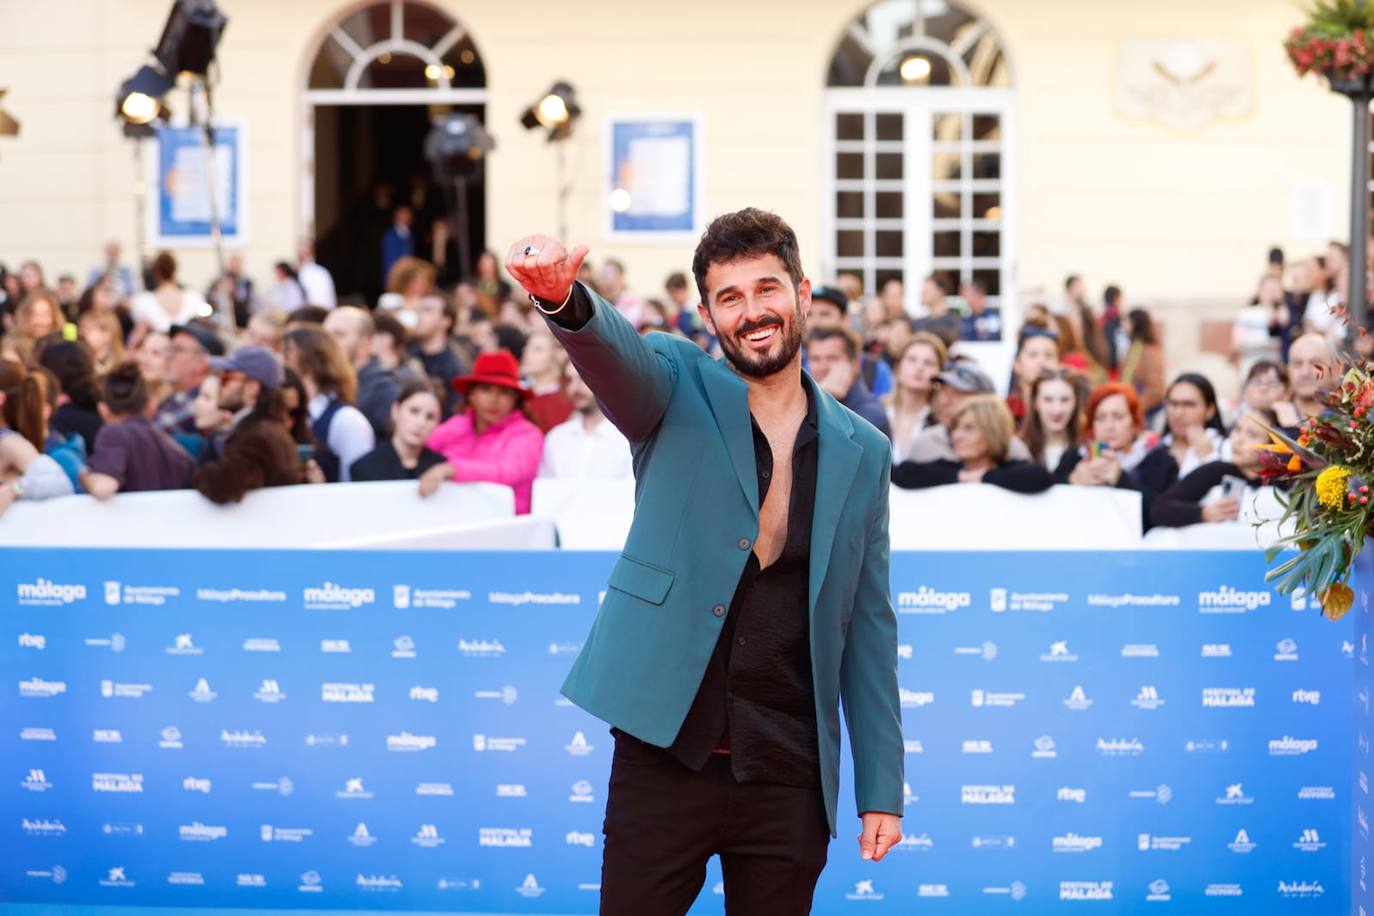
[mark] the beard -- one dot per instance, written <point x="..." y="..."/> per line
<point x="761" y="365"/>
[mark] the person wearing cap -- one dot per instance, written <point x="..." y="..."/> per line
<point x="960" y="381"/>
<point x="188" y="362"/>
<point x="243" y="378"/>
<point x="342" y="434"/>
<point x="830" y="309"/>
<point x="491" y="440"/>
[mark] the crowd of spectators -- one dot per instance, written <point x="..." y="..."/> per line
<point x="137" y="382"/>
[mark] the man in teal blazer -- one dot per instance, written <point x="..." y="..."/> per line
<point x="752" y="596"/>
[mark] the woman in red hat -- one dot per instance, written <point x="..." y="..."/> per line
<point x="491" y="440"/>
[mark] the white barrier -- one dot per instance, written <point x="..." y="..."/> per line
<point x="596" y="514"/>
<point x="385" y="515"/>
<point x="590" y="515"/>
<point x="1257" y="528"/>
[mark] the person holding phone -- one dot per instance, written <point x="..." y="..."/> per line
<point x="1213" y="492"/>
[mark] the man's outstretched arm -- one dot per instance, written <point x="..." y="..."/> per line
<point x="631" y="380"/>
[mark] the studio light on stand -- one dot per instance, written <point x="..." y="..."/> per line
<point x="456" y="147"/>
<point x="556" y="112"/>
<point x="140" y="108"/>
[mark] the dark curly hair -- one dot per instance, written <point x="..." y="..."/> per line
<point x="746" y="233"/>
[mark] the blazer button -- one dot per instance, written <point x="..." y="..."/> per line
<point x="718" y="610"/>
<point x="743" y="543"/>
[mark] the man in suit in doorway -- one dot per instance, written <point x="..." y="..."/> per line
<point x="752" y="596"/>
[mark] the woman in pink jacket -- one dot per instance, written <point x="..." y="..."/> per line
<point x="491" y="440"/>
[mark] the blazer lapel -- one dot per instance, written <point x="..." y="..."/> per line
<point x="729" y="398"/>
<point x="838" y="461"/>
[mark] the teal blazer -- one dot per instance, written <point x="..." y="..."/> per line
<point x="696" y="517"/>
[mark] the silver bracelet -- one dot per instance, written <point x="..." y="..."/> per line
<point x="534" y="300"/>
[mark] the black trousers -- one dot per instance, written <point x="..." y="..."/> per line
<point x="664" y="821"/>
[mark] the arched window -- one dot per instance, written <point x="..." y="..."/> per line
<point x="919" y="114"/>
<point x="377" y="78"/>
<point x="397" y="45"/>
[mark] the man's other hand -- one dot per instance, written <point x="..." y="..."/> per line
<point x="881" y="832"/>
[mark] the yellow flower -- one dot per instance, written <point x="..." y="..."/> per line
<point x="1336" y="601"/>
<point x="1331" y="486"/>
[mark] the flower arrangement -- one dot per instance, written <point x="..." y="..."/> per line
<point x="1329" y="502"/>
<point x="1337" y="40"/>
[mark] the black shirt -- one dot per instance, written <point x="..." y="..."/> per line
<point x="382" y="463"/>
<point x="757" y="697"/>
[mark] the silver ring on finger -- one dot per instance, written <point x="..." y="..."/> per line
<point x="529" y="251"/>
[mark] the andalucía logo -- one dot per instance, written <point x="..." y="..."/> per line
<point x="47" y="593"/>
<point x="375" y="883"/>
<point x="334" y="597"/>
<point x="579" y="747"/>
<point x="240" y="738"/>
<point x="43" y="827"/>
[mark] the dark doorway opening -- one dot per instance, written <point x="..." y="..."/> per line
<point x="369" y="159"/>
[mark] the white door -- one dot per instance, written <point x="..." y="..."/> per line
<point x="919" y="181"/>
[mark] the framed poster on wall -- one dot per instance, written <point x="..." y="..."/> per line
<point x="653" y="177"/>
<point x="180" y="211"/>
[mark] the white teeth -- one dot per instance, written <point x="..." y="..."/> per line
<point x="763" y="334"/>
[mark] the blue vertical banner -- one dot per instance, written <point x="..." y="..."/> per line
<point x="183" y="206"/>
<point x="653" y="177"/>
<point x="1116" y="732"/>
<point x="1362" y="848"/>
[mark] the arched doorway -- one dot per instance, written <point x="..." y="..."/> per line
<point x="381" y="74"/>
<point x="919" y="134"/>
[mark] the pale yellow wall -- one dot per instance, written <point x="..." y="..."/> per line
<point x="1168" y="216"/>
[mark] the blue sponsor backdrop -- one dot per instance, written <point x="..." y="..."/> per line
<point x="1113" y="732"/>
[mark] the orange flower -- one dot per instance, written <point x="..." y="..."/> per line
<point x="1336" y="601"/>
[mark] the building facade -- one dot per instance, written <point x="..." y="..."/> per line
<point x="1160" y="146"/>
